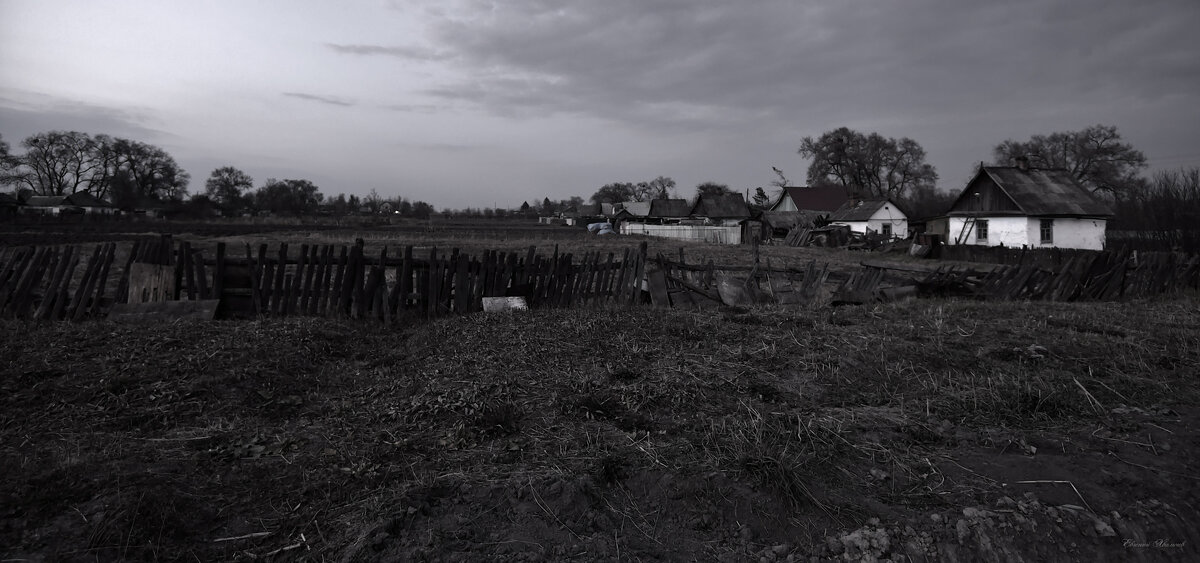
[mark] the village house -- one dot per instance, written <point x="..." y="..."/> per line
<point x="1019" y="206"/>
<point x="872" y="216"/>
<point x="723" y="210"/>
<point x="656" y="211"/>
<point x="78" y="203"/>
<point x="712" y="219"/>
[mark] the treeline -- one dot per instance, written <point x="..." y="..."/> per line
<point x="1165" y="214"/>
<point x="122" y="171"/>
<point x="133" y="175"/>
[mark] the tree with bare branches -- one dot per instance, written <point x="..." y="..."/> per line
<point x="1095" y="156"/>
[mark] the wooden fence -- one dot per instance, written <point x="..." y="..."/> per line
<point x="319" y="280"/>
<point x="60" y="283"/>
<point x="1084" y="276"/>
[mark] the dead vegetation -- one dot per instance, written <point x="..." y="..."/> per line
<point x="902" y="430"/>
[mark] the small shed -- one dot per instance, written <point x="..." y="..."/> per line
<point x="777" y="224"/>
<point x="722" y="210"/>
<point x="875" y="216"/>
<point x="669" y="210"/>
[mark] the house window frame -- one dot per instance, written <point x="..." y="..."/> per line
<point x="981" y="230"/>
<point x="1046" y="231"/>
<point x="885" y="229"/>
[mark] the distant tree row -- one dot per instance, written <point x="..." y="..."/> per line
<point x="870" y="165"/>
<point x="231" y="190"/>
<point x="132" y="174"/>
<point x="661" y="187"/>
<point x="123" y="171"/>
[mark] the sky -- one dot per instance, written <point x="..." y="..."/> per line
<point x="475" y="103"/>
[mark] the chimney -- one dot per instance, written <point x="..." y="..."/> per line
<point x="1022" y="163"/>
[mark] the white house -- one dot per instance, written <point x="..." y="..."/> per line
<point x="78" y="202"/>
<point x="878" y="216"/>
<point x="1019" y="206"/>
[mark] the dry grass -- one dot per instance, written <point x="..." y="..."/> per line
<point x="146" y="443"/>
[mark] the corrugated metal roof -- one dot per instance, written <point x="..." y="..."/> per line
<point x="669" y="208"/>
<point x="726" y="206"/>
<point x="636" y="208"/>
<point x="1047" y="192"/>
<point x="824" y="198"/>
<point x="862" y="210"/>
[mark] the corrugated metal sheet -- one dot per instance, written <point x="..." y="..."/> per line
<point x="637" y="208"/>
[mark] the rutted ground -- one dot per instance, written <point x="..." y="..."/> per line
<point x="936" y="429"/>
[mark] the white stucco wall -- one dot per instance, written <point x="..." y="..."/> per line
<point x="1017" y="232"/>
<point x="1086" y="234"/>
<point x="1009" y="231"/>
<point x="886" y="214"/>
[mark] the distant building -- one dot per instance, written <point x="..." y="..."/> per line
<point x="875" y="216"/>
<point x="1021" y="206"/>
<point x="721" y="210"/>
<point x="78" y="202"/>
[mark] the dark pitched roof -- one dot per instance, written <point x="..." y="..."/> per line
<point x="669" y="208"/>
<point x="726" y="206"/>
<point x="862" y="210"/>
<point x="45" y="200"/>
<point x="85" y="199"/>
<point x="817" y="198"/>
<point x="1043" y="192"/>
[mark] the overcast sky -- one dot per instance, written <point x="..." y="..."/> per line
<point x="474" y="103"/>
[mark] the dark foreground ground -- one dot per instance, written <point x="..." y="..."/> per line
<point x="927" y="430"/>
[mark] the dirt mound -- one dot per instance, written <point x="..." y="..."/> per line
<point x="925" y="430"/>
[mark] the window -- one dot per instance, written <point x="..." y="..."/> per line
<point x="981" y="230"/>
<point x="1047" y="231"/>
<point x="886" y="230"/>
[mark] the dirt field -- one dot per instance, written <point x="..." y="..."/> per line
<point x="922" y="430"/>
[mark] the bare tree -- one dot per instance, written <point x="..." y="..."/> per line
<point x="868" y="165"/>
<point x="1095" y="156"/>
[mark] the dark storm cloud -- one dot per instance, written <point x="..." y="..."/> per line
<point x="700" y="65"/>
<point x="322" y="99"/>
<point x="413" y="53"/>
<point x="23" y="114"/>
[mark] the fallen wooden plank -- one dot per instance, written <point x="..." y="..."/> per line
<point x="200" y="310"/>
